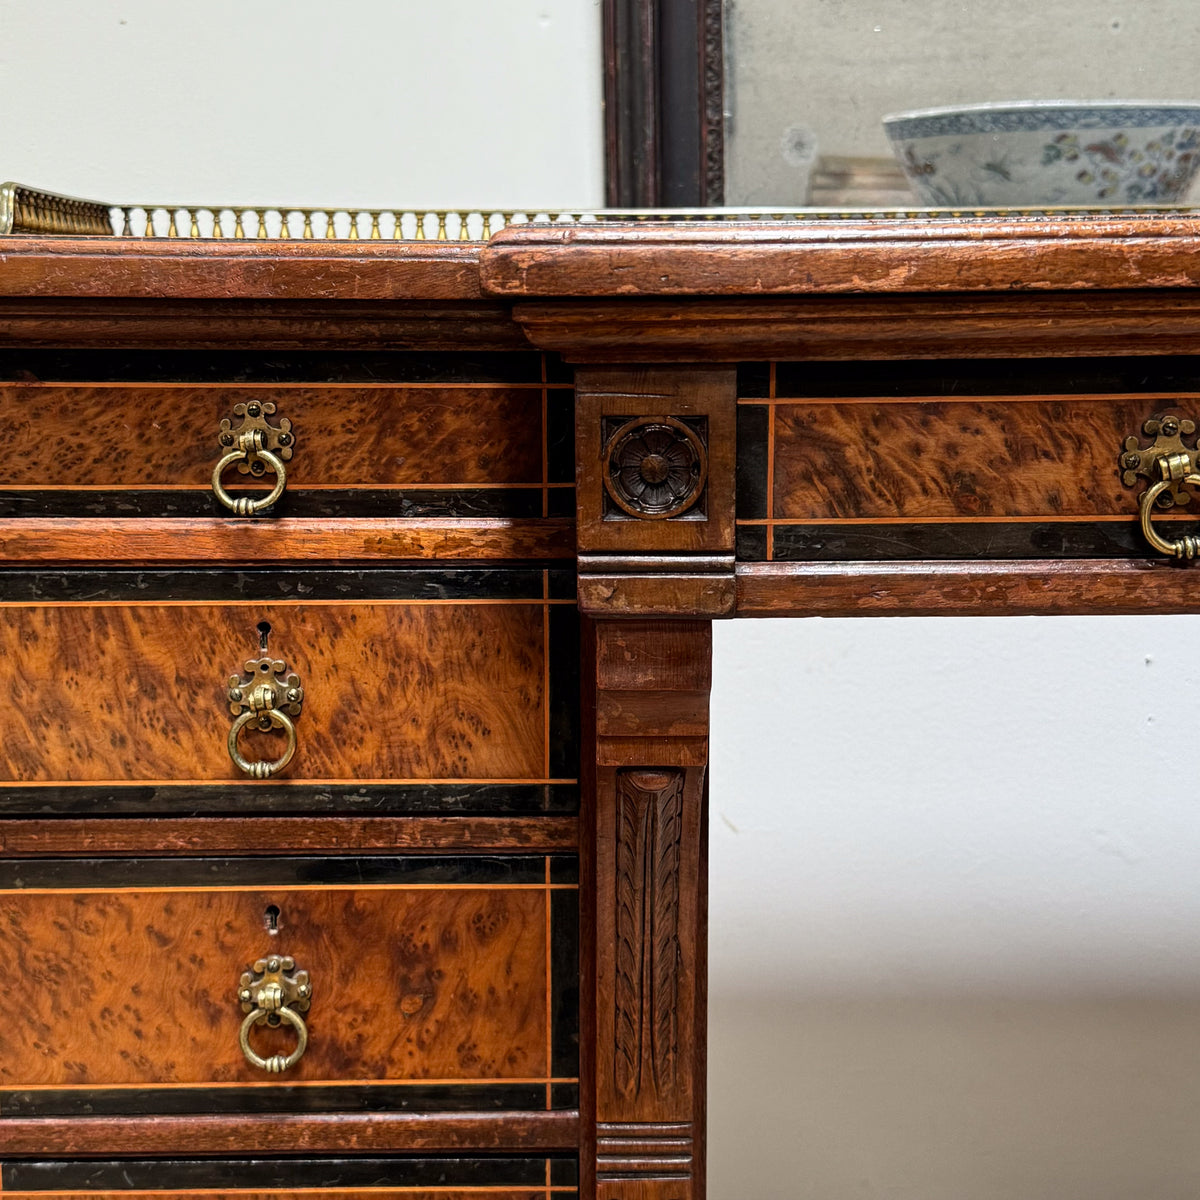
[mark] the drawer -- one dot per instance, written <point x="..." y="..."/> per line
<point x="423" y="690"/>
<point x="437" y="983"/>
<point x="125" y="434"/>
<point x="1008" y="459"/>
<point x="500" y="1177"/>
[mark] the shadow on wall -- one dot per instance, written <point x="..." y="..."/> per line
<point x="954" y="1099"/>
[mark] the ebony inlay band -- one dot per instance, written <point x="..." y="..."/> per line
<point x="496" y="870"/>
<point x="115" y="1176"/>
<point x="366" y="1097"/>
<point x="511" y="501"/>
<point x="293" y="366"/>
<point x="525" y="582"/>
<point x="238" y="799"/>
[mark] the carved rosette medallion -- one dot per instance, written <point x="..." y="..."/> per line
<point x="655" y="467"/>
<point x="649" y="829"/>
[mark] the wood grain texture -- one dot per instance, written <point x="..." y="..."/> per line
<point x="227" y="323"/>
<point x="152" y="269"/>
<point x="282" y="835"/>
<point x="1001" y="324"/>
<point x="126" y="692"/>
<point x="684" y="594"/>
<point x="181" y="540"/>
<point x="647" y="705"/>
<point x="732" y="258"/>
<point x="98" y="1137"/>
<point x="915" y="589"/>
<point x="970" y="458"/>
<point x="705" y="393"/>
<point x="140" y="988"/>
<point x="151" y="435"/>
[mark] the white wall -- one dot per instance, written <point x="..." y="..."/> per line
<point x="955" y="926"/>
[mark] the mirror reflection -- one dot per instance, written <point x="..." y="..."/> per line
<point x="808" y="84"/>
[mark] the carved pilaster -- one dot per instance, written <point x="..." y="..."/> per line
<point x="650" y="717"/>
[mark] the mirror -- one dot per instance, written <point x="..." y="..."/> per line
<point x="807" y="83"/>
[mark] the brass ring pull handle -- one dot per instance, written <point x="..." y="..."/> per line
<point x="274" y="993"/>
<point x="255" y="447"/>
<point x="262" y="768"/>
<point x="246" y="506"/>
<point x="1172" y="468"/>
<point x="270" y="697"/>
<point x="1186" y="547"/>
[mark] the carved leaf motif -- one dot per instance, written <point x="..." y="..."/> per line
<point x="665" y="935"/>
<point x="630" y="936"/>
<point x="649" y="831"/>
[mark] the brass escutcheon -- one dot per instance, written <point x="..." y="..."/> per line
<point x="272" y="992"/>
<point x="256" y="446"/>
<point x="1173" y="469"/>
<point x="269" y="699"/>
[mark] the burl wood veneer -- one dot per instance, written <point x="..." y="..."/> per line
<point x="392" y="690"/>
<point x="831" y="477"/>
<point x="131" y="987"/>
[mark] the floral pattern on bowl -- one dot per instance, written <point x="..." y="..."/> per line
<point x="1053" y="152"/>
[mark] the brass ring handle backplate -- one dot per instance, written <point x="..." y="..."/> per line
<point x="255" y="447"/>
<point x="274" y="993"/>
<point x="268" y="698"/>
<point x="1173" y="470"/>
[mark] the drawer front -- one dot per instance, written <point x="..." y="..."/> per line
<point x="502" y="1177"/>
<point x="396" y="435"/>
<point x="437" y="983"/>
<point x="412" y="680"/>
<point x="951" y="460"/>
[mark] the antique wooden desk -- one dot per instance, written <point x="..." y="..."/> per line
<point x="353" y="825"/>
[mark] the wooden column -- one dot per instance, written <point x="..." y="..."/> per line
<point x="651" y="682"/>
<point x="655" y="530"/>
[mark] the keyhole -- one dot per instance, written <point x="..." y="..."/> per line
<point x="271" y="919"/>
<point x="264" y="632"/>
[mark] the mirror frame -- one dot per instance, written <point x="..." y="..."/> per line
<point x="664" y="103"/>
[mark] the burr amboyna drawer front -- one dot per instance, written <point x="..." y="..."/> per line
<point x="155" y="985"/>
<point x="239" y="435"/>
<point x="982" y="460"/>
<point x="287" y="690"/>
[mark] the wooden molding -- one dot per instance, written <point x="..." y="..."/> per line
<point x="824" y="256"/>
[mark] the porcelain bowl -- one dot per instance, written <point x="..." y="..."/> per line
<point x="1091" y="153"/>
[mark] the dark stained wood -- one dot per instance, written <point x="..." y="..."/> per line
<point x="916" y="589"/>
<point x="151" y="435"/>
<point x="807" y="257"/>
<point x="134" y="987"/>
<point x="296" y="324"/>
<point x="663" y="103"/>
<point x="998" y="324"/>
<point x="349" y="1133"/>
<point x="392" y="691"/>
<point x="180" y="540"/>
<point x="369" y="1193"/>
<point x="976" y="457"/>
<point x="138" y="268"/>
<point x="283" y="835"/>
<point x="649" y="713"/>
<point x="706" y="395"/>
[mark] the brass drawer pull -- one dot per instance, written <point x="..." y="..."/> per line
<point x="270" y="700"/>
<point x="1174" y="471"/>
<point x="273" y="992"/>
<point x="257" y="446"/>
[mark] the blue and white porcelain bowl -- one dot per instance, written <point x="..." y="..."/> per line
<point x="1090" y="153"/>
